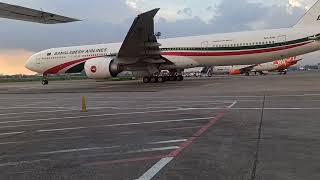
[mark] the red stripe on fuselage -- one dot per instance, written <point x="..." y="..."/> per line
<point x="233" y="53"/>
<point x="57" y="69"/>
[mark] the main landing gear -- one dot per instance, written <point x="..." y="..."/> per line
<point x="44" y="80"/>
<point x="162" y="79"/>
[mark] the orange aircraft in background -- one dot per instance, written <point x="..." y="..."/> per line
<point x="280" y="66"/>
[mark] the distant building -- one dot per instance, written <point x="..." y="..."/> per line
<point x="318" y="65"/>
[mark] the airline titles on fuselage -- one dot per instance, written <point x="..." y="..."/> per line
<point x="75" y="52"/>
<point x="270" y="37"/>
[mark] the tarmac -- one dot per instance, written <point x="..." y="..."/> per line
<point x="220" y="128"/>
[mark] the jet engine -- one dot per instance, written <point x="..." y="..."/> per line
<point x="235" y="72"/>
<point x="101" y="68"/>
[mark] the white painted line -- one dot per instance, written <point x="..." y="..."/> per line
<point x="96" y="115"/>
<point x="87" y="149"/>
<point x="125" y="124"/>
<point x="169" y="141"/>
<point x="36" y="112"/>
<point x="155" y="149"/>
<point x="211" y="102"/>
<point x="64" y="122"/>
<point x="233" y="104"/>
<point x="62" y="129"/>
<point x="32" y="107"/>
<point x="29" y="125"/>
<point x="22" y="162"/>
<point x="12" y="133"/>
<point x="76" y="150"/>
<point x="155" y="168"/>
<point x="41" y="140"/>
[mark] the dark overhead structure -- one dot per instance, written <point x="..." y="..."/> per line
<point x="31" y="15"/>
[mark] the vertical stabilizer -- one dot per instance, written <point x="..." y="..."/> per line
<point x="311" y="18"/>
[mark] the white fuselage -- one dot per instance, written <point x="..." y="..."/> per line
<point x="241" y="48"/>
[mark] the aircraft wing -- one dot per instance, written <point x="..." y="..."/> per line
<point x="247" y="69"/>
<point x="26" y="14"/>
<point x="140" y="44"/>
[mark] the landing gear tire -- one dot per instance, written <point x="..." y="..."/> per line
<point x="154" y="79"/>
<point x="247" y="74"/>
<point x="146" y="79"/>
<point x="45" y="82"/>
<point x="161" y="79"/>
<point x="173" y="78"/>
<point x="180" y="78"/>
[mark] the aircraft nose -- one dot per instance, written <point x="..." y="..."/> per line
<point x="30" y="64"/>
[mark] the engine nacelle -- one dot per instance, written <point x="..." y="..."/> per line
<point x="101" y="68"/>
<point x="235" y="72"/>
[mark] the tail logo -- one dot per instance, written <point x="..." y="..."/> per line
<point x="318" y="18"/>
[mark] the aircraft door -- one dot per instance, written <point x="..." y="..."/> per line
<point x="282" y="41"/>
<point x="204" y="46"/>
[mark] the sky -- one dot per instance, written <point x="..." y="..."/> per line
<point x="105" y="21"/>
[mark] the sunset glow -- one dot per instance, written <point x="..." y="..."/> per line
<point x="12" y="61"/>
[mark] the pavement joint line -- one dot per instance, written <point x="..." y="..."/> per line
<point x="123" y="124"/>
<point x="258" y="145"/>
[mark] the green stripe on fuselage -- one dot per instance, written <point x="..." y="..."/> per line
<point x="252" y="47"/>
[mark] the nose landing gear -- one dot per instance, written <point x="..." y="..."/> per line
<point x="44" y="80"/>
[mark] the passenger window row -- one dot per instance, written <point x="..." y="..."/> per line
<point x="220" y="45"/>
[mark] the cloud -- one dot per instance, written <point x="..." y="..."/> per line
<point x="109" y="21"/>
<point x="12" y="61"/>
<point x="185" y="11"/>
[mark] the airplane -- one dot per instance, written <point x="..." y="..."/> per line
<point x="145" y="55"/>
<point x="14" y="12"/>
<point x="280" y="66"/>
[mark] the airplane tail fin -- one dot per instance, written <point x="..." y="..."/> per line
<point x="311" y="18"/>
